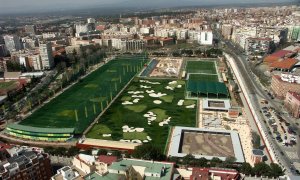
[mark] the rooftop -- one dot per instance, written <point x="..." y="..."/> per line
<point x="150" y="167"/>
<point x="107" y="159"/>
<point x="295" y="95"/>
<point x="41" y="130"/>
<point x="284" y="64"/>
<point x="258" y="152"/>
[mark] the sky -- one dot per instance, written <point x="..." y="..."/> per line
<point x="20" y="6"/>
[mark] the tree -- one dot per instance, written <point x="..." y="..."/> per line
<point x="102" y="152"/>
<point x="215" y="161"/>
<point x="72" y="151"/>
<point x="246" y="168"/>
<point x="148" y="151"/>
<point x="255" y="140"/>
<point x="188" y="159"/>
<point x="202" y="162"/>
<point x="262" y="169"/>
<point x="276" y="170"/>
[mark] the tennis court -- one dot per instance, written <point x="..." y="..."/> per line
<point x="199" y="66"/>
<point x="203" y="77"/>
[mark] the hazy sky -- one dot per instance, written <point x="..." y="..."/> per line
<point x="15" y="6"/>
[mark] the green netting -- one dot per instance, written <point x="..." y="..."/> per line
<point x="200" y="87"/>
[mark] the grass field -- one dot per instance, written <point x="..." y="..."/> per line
<point x="132" y="115"/>
<point x="201" y="67"/>
<point x="204" y="77"/>
<point x="78" y="106"/>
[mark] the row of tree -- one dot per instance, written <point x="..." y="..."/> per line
<point x="153" y="152"/>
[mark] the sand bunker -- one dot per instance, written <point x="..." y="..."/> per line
<point x="157" y="101"/>
<point x="191" y="106"/>
<point x="165" y="121"/>
<point x="180" y="102"/>
<point x="135" y="92"/>
<point x="106" y="135"/>
<point x="157" y="94"/>
<point x="127" y="103"/>
<point x="145" y="87"/>
<point x="132" y="129"/>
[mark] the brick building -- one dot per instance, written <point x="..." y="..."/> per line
<point x="292" y="103"/>
<point x="280" y="85"/>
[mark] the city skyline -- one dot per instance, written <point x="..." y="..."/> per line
<point x="35" y="6"/>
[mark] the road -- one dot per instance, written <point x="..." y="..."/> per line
<point x="256" y="93"/>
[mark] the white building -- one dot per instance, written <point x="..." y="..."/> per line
<point x="12" y="43"/>
<point x="91" y="20"/>
<point x="83" y="28"/>
<point x="66" y="173"/>
<point x="46" y="55"/>
<point x="205" y="38"/>
<point x="36" y="62"/>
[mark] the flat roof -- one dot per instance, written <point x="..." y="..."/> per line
<point x="41" y="130"/>
<point x="109" y="144"/>
<point x="205" y="104"/>
<point x="176" y="143"/>
<point x="150" y="167"/>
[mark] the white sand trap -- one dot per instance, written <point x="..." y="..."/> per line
<point x="172" y="82"/>
<point x="191" y="106"/>
<point x="136" y="141"/>
<point x="106" y="135"/>
<point x="137" y="96"/>
<point x="169" y="88"/>
<point x="124" y="140"/>
<point x="157" y="101"/>
<point x="125" y="127"/>
<point x="150" y="91"/>
<point x="166" y="121"/>
<point x="147" y="115"/>
<point x="149" y="123"/>
<point x="157" y="94"/>
<point x="135" y="100"/>
<point x="145" y="87"/>
<point x="142" y="80"/>
<point x="152" y="118"/>
<point x="127" y="103"/>
<point x="145" y="141"/>
<point x="139" y="129"/>
<point x="149" y="138"/>
<point x="135" y="92"/>
<point x="179" y="86"/>
<point x="180" y="102"/>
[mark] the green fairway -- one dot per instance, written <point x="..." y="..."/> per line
<point x="78" y="106"/>
<point x="132" y="115"/>
<point x="204" y="77"/>
<point x="207" y="67"/>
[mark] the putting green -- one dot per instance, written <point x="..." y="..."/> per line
<point x="188" y="102"/>
<point x="160" y="114"/>
<point x="136" y="108"/>
<point x="126" y="98"/>
<point x="167" y="98"/>
<point x="135" y="135"/>
<point x="98" y="131"/>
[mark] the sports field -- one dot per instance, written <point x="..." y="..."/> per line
<point x="207" y="67"/>
<point x="144" y="112"/>
<point x="204" y="77"/>
<point x="78" y="106"/>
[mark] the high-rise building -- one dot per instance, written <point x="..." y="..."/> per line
<point x="46" y="55"/>
<point x="12" y="43"/>
<point x="205" y="38"/>
<point x="30" y="29"/>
